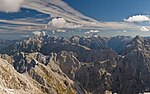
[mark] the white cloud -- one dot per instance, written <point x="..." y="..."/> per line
<point x="143" y="28"/>
<point x="86" y="32"/>
<point x="124" y="31"/>
<point x="62" y="23"/>
<point x="91" y="31"/>
<point x="10" y="5"/>
<point x="58" y="22"/>
<point x="138" y="18"/>
<point x="25" y="36"/>
<point x="94" y="31"/>
<point x="53" y="32"/>
<point x="61" y="30"/>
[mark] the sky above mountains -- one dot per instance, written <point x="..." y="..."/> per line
<point x="129" y="17"/>
<point x="113" y="17"/>
<point x="111" y="10"/>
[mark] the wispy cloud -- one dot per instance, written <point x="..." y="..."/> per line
<point x="138" y="18"/>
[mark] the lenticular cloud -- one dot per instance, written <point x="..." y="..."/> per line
<point x="10" y="5"/>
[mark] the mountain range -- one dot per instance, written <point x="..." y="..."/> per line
<point x="75" y="65"/>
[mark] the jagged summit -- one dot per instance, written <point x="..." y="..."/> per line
<point x="138" y="39"/>
<point x="138" y="43"/>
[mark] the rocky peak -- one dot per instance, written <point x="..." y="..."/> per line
<point x="75" y="39"/>
<point x="133" y="73"/>
<point x="94" y="42"/>
<point x="138" y="43"/>
<point x="138" y="40"/>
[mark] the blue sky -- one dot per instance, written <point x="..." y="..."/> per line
<point x="111" y="10"/>
<point x="128" y="17"/>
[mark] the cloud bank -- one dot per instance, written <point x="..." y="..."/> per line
<point x="10" y="5"/>
<point x="138" y="18"/>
